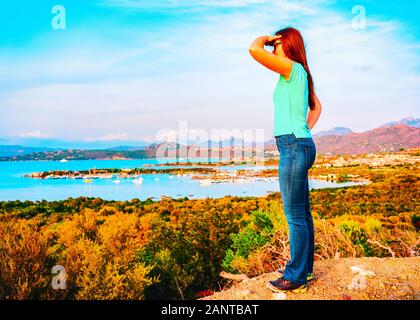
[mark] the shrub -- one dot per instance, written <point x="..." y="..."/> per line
<point x="24" y="262"/>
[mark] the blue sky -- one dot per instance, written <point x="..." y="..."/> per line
<point x="128" y="69"/>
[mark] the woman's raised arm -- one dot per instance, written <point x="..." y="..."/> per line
<point x="279" y="64"/>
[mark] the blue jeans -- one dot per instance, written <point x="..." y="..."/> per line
<point x="297" y="155"/>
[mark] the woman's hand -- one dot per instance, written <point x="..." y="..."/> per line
<point x="276" y="63"/>
<point x="270" y="40"/>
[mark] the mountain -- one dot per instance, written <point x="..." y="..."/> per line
<point x="72" y="154"/>
<point x="391" y="136"/>
<point x="339" y="131"/>
<point x="16" y="150"/>
<point x="410" y="121"/>
<point x="125" y="148"/>
<point x="384" y="138"/>
<point x="237" y="142"/>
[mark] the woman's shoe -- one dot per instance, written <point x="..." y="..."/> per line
<point x="309" y="276"/>
<point x="281" y="285"/>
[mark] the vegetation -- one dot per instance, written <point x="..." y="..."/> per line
<point x="175" y="248"/>
<point x="81" y="155"/>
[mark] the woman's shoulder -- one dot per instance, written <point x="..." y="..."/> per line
<point x="298" y="71"/>
<point x="298" y="65"/>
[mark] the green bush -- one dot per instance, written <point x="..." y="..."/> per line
<point x="253" y="236"/>
<point x="357" y="235"/>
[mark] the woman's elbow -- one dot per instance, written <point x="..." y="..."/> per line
<point x="319" y="108"/>
<point x="252" y="51"/>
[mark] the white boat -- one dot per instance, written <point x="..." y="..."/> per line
<point x="116" y="181"/>
<point x="156" y="179"/>
<point x="64" y="160"/>
<point x="171" y="177"/>
<point x="205" y="182"/>
<point x="138" y="181"/>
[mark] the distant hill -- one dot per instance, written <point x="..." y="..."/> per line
<point x="392" y="136"/>
<point x="410" y="121"/>
<point x="72" y="154"/>
<point x="237" y="142"/>
<point x="384" y="138"/>
<point x="16" y="150"/>
<point x="339" y="131"/>
<point x="125" y="148"/>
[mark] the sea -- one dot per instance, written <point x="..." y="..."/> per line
<point x="15" y="186"/>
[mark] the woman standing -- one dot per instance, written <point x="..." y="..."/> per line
<point x="293" y="95"/>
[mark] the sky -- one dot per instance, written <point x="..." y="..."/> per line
<point x="135" y="69"/>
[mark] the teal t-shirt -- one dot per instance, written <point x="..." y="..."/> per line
<point x="291" y="103"/>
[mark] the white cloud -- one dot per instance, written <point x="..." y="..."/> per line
<point x="112" y="137"/>
<point x="33" y="134"/>
<point x="176" y="4"/>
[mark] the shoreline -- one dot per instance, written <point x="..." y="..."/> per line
<point x="111" y="173"/>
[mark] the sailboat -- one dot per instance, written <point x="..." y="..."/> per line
<point x="64" y="160"/>
<point x="88" y="178"/>
<point x="138" y="180"/>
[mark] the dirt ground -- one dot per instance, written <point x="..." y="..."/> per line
<point x="340" y="279"/>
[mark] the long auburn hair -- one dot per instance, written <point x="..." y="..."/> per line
<point x="294" y="48"/>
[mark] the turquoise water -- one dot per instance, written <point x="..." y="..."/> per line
<point x="14" y="186"/>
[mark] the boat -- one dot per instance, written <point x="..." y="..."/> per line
<point x="138" y="181"/>
<point x="116" y="181"/>
<point x="205" y="182"/>
<point x="156" y="179"/>
<point x="64" y="160"/>
<point x="87" y="177"/>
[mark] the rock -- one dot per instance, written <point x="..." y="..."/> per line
<point x="359" y="281"/>
<point x="362" y="271"/>
<point x="279" y="296"/>
<point x="243" y="293"/>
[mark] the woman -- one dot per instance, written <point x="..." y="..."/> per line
<point x="293" y="95"/>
